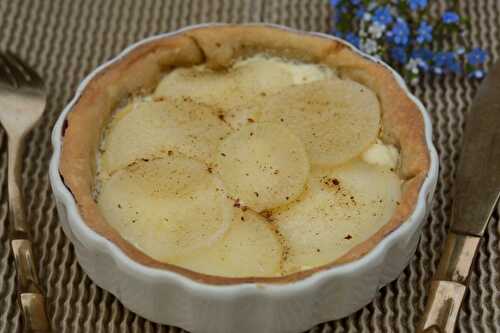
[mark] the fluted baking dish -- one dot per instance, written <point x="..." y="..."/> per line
<point x="174" y="297"/>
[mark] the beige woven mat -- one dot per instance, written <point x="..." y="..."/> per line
<point x="66" y="39"/>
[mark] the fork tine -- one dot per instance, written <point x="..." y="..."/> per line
<point x="23" y="74"/>
<point x="31" y="74"/>
<point x="6" y="74"/>
<point x="15" y="71"/>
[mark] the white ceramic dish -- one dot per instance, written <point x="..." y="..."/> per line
<point x="169" y="298"/>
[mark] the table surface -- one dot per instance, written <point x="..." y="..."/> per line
<point x="66" y="39"/>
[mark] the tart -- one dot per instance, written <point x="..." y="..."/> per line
<point x="235" y="154"/>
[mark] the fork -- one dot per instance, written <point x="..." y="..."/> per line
<point x="22" y="102"/>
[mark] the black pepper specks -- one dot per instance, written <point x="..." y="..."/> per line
<point x="332" y="182"/>
<point x="237" y="203"/>
<point x="267" y="214"/>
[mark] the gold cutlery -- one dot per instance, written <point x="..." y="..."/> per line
<point x="22" y="101"/>
<point x="477" y="188"/>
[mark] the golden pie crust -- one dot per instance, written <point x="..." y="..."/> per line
<point x="140" y="70"/>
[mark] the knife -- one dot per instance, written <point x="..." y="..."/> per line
<point x="476" y="189"/>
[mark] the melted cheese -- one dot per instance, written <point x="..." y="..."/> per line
<point x="300" y="73"/>
<point x="381" y="154"/>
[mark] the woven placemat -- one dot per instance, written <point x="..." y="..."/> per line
<point x="66" y="39"/>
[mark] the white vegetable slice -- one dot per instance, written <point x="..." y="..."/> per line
<point x="167" y="207"/>
<point x="342" y="208"/>
<point x="336" y="119"/>
<point x="149" y="129"/>
<point x="250" y="248"/>
<point x="263" y="165"/>
<point x="200" y="84"/>
<point x="227" y="90"/>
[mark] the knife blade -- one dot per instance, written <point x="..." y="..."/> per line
<point x="477" y="183"/>
<point x="476" y="192"/>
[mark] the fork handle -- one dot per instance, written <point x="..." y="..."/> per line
<point x="17" y="214"/>
<point x="30" y="295"/>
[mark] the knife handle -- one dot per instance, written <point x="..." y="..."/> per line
<point x="443" y="306"/>
<point x="30" y="297"/>
<point x="448" y="287"/>
<point x="34" y="314"/>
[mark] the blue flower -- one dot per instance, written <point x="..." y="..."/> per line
<point x="360" y="12"/>
<point x="446" y="61"/>
<point x="383" y="15"/>
<point x="424" y="32"/>
<point x="453" y="65"/>
<point x="353" y="39"/>
<point x="399" y="54"/>
<point x="422" y="53"/>
<point x="417" y="4"/>
<point x="334" y="3"/>
<point x="423" y="65"/>
<point x="476" y="57"/>
<point x="438" y="70"/>
<point x="477" y="74"/>
<point x="423" y="56"/>
<point x="450" y="17"/>
<point x="399" y="33"/>
<point x="440" y="59"/>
